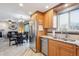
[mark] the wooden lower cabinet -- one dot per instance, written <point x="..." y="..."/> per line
<point x="66" y="49"/>
<point x="52" y="51"/>
<point x="56" y="48"/>
<point x="66" y="52"/>
<point x="52" y="48"/>
<point x="78" y="51"/>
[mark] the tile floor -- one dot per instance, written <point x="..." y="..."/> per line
<point x="21" y="50"/>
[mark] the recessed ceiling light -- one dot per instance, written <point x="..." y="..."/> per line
<point x="47" y="7"/>
<point x="66" y="5"/>
<point x="21" y="5"/>
<point x="30" y="13"/>
<point x="19" y="20"/>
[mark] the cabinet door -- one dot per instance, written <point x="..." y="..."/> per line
<point x="52" y="48"/>
<point x="56" y="48"/>
<point x="78" y="51"/>
<point x="40" y="18"/>
<point x="52" y="51"/>
<point x="65" y="52"/>
<point x="66" y="49"/>
<point x="46" y="22"/>
<point x="48" y="19"/>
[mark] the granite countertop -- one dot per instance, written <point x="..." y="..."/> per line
<point x="76" y="42"/>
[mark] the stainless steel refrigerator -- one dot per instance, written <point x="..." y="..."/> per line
<point x="33" y="34"/>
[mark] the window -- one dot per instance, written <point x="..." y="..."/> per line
<point x="63" y="21"/>
<point x="27" y="28"/>
<point x="74" y="19"/>
<point x="69" y="20"/>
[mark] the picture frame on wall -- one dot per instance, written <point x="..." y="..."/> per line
<point x="13" y="26"/>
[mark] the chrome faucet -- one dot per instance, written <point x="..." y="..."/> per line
<point x="66" y="35"/>
<point x="64" y="31"/>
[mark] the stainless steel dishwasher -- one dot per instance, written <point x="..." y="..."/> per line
<point x="44" y="46"/>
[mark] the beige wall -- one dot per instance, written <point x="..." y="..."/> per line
<point x="21" y="27"/>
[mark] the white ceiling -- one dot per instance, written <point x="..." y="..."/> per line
<point x="14" y="11"/>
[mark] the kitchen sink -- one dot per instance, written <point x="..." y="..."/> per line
<point x="71" y="40"/>
<point x="66" y="39"/>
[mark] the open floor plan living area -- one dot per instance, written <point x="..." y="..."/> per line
<point x="39" y="29"/>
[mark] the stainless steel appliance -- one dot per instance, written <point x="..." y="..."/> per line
<point x="44" y="46"/>
<point x="33" y="34"/>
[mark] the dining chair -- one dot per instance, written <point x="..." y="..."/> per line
<point x="12" y="37"/>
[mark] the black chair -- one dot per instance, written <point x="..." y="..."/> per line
<point x="25" y="36"/>
<point x="19" y="38"/>
<point x="12" y="37"/>
<point x="0" y="34"/>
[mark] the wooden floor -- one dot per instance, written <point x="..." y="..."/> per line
<point x="21" y="50"/>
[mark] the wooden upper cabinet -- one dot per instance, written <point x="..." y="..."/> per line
<point x="34" y="17"/>
<point x="48" y="16"/>
<point x="39" y="17"/>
